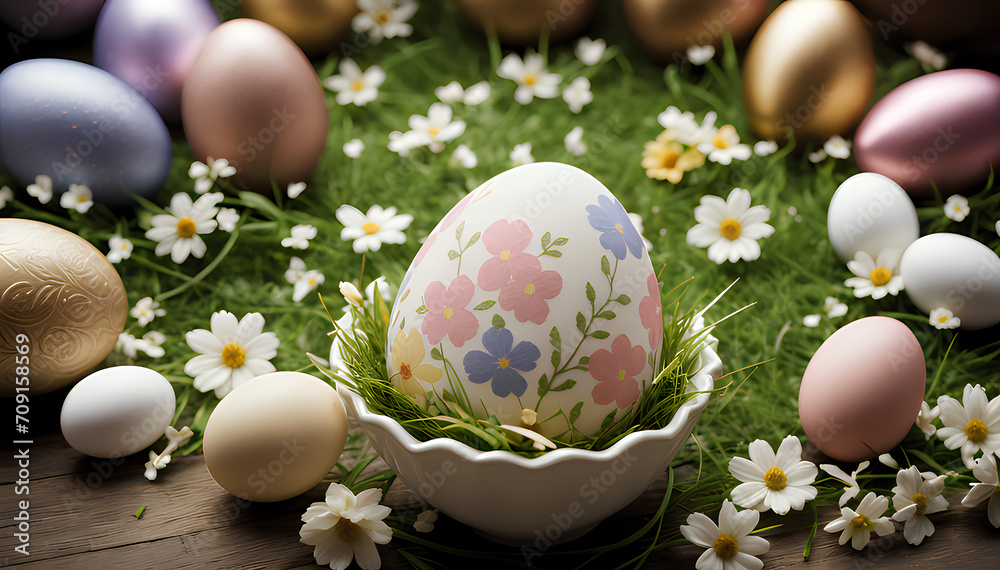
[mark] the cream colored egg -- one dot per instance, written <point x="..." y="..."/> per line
<point x="275" y="436"/>
<point x="870" y="213"/>
<point x="535" y="293"/>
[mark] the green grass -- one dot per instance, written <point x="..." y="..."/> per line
<point x="797" y="270"/>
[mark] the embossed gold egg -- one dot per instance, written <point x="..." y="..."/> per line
<point x="62" y="307"/>
<point x="666" y="28"/>
<point x="522" y="22"/>
<point x="809" y="70"/>
<point x="315" y="25"/>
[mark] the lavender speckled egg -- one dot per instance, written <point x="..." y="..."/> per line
<point x="534" y="292"/>
<point x="80" y="125"/>
<point x="943" y="127"/>
<point x="151" y="45"/>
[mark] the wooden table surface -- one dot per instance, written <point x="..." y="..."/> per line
<point x="82" y="509"/>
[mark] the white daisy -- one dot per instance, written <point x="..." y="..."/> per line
<point x="974" y="426"/>
<point x="876" y="277"/>
<point x="295" y="188"/>
<point x="532" y="78"/>
<point x="425" y="520"/>
<point x="384" y="18"/>
<point x="521" y="154"/>
<point x="344" y="528"/>
<point x="145" y="310"/>
<point x="231" y="353"/>
<point x="834" y="308"/>
<point x="41" y="189"/>
<point x="179" y="232"/>
<point x="943" y="318"/>
<point x="353" y="86"/>
<point x="370" y="230"/>
<point x="436" y="128"/>
<point x="296" y="269"/>
<point x="988" y="486"/>
<point x="450" y="93"/>
<point x="857" y="525"/>
<point x="588" y="51"/>
<point x="403" y="143"/>
<point x="925" y="417"/>
<point x="730" y="228"/>
<point x="6" y="195"/>
<point x="227" y="218"/>
<point x="477" y="93"/>
<point x="150" y="345"/>
<point x="574" y="142"/>
<point x="764" y="148"/>
<point x="353" y="148"/>
<point x="79" y="198"/>
<point x="817" y="156"/>
<point x="930" y="58"/>
<point x="812" y="321"/>
<point x="119" y="248"/>
<point x="301" y="234"/>
<point x="778" y="482"/>
<point x="636" y="220"/>
<point x="700" y="55"/>
<point x="304" y="281"/>
<point x="577" y="94"/>
<point x="730" y="544"/>
<point x="724" y="146"/>
<point x="837" y="147"/>
<point x="852" y="488"/>
<point x="917" y="495"/>
<point x="205" y="176"/>
<point x="464" y="156"/>
<point x="684" y="129"/>
<point x="956" y="207"/>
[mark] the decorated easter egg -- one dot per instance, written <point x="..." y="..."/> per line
<point x="117" y="411"/>
<point x="666" y="28"/>
<point x="870" y="213"/>
<point x="78" y="124"/>
<point x="809" y="69"/>
<point x="51" y="19"/>
<point x="253" y="98"/>
<point x="535" y="292"/>
<point x="862" y="389"/>
<point x="151" y="45"/>
<point x="275" y="437"/>
<point x="938" y="128"/>
<point x="954" y="272"/>
<point x="62" y="307"/>
<point x="523" y="22"/>
<point x="315" y="25"/>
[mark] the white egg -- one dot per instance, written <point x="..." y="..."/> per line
<point x="954" y="272"/>
<point x="117" y="411"/>
<point x="534" y="292"/>
<point x="870" y="213"/>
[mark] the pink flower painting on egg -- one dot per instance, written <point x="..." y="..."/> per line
<point x="650" y="312"/>
<point x="615" y="372"/>
<point x="527" y="292"/>
<point x="506" y="241"/>
<point x="446" y="312"/>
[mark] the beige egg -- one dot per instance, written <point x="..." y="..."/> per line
<point x="62" y="307"/>
<point x="275" y="436"/>
<point x="810" y="70"/>
<point x="523" y="22"/>
<point x="253" y="98"/>
<point x="666" y="28"/>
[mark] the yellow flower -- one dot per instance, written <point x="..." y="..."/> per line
<point x="666" y="159"/>
<point x="407" y="355"/>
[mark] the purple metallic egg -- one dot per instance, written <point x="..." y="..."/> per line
<point x="46" y="19"/>
<point x="152" y="45"/>
<point x="943" y="127"/>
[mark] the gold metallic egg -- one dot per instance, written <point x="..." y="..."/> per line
<point x="315" y="25"/>
<point x="253" y="98"/>
<point x="666" y="28"/>
<point x="810" y="69"/>
<point x="522" y="22"/>
<point x="62" y="307"/>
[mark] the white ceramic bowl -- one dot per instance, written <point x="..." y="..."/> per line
<point x="533" y="502"/>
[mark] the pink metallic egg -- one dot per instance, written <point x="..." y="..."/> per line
<point x="943" y="128"/>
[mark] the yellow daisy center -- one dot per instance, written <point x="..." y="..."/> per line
<point x="448" y="313"/>
<point x="775" y="479"/>
<point x="726" y="547"/>
<point x="504" y="363"/>
<point x="233" y="355"/>
<point x="371" y="228"/>
<point x="880" y="276"/>
<point x="861" y="521"/>
<point x="81" y="199"/>
<point x="530" y="79"/>
<point x="921" y="501"/>
<point x="669" y="158"/>
<point x="433" y="131"/>
<point x="730" y="229"/>
<point x="186" y="227"/>
<point x="358" y="84"/>
<point x="382" y="17"/>
<point x="719" y="142"/>
<point x="943" y="319"/>
<point x="530" y="289"/>
<point x="976" y="431"/>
